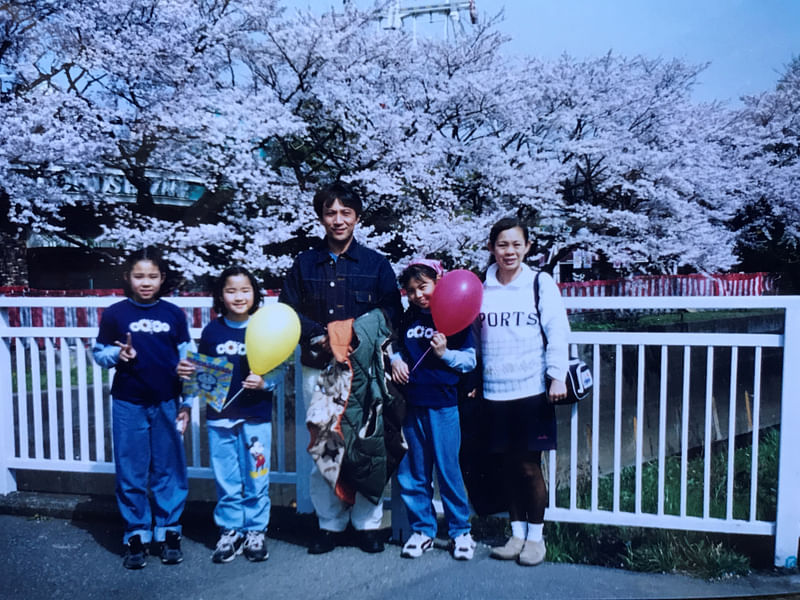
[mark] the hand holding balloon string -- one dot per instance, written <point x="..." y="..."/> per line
<point x="455" y="304"/>
<point x="270" y="338"/>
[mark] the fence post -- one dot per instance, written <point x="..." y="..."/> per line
<point x="8" y="478"/>
<point x="302" y="459"/>
<point x="787" y="525"/>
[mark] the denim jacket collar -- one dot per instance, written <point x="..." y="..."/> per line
<point x="354" y="252"/>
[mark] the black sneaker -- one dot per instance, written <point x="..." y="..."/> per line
<point x="135" y="553"/>
<point x="228" y="546"/>
<point x="370" y="541"/>
<point x="255" y="546"/>
<point x="325" y="542"/>
<point x="171" y="553"/>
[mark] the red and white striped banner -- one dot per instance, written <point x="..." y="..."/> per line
<point x="730" y="284"/>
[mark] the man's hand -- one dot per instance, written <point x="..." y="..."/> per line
<point x="127" y="352"/>
<point x="399" y="371"/>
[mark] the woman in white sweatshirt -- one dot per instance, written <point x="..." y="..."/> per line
<point x="519" y="378"/>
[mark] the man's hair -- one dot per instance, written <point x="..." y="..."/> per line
<point x="341" y="191"/>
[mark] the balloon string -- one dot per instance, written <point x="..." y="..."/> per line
<point x="236" y="395"/>
<point x="424" y="354"/>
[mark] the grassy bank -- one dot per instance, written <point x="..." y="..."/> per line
<point x="710" y="556"/>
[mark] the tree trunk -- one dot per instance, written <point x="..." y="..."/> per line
<point x="13" y="260"/>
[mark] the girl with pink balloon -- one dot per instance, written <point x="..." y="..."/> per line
<point x="436" y="348"/>
<point x="519" y="374"/>
<point x="240" y="434"/>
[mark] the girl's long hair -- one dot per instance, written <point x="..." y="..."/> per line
<point x="148" y="254"/>
<point x="219" y="285"/>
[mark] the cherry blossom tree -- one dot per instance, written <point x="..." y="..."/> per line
<point x="768" y="222"/>
<point x="251" y="105"/>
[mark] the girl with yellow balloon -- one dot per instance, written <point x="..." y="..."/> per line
<point x="254" y="341"/>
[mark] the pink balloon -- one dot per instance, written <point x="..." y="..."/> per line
<point x="456" y="301"/>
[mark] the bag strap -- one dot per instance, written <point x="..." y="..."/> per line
<point x="536" y="304"/>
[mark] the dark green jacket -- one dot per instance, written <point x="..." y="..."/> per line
<point x="372" y="421"/>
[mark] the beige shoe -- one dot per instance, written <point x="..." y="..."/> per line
<point x="510" y="551"/>
<point x="532" y="554"/>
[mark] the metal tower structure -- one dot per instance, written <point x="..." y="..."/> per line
<point x="396" y="15"/>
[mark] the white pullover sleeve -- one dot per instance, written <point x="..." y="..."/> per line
<point x="556" y="327"/>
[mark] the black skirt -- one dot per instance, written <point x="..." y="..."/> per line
<point x="521" y="425"/>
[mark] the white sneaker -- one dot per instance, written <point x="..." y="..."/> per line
<point x="416" y="545"/>
<point x="255" y="546"/>
<point x="228" y="547"/>
<point x="464" y="547"/>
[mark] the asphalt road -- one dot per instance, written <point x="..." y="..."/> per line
<point x="47" y="558"/>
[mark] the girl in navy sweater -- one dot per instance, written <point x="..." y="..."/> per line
<point x="142" y="338"/>
<point x="240" y="435"/>
<point x="430" y="366"/>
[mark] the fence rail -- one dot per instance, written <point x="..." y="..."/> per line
<point x="671" y="406"/>
<point x="696" y="284"/>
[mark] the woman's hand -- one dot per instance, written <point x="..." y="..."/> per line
<point x="253" y="382"/>
<point x="439" y="344"/>
<point x="185" y="369"/>
<point x="399" y="371"/>
<point x="557" y="391"/>
<point x="126" y="351"/>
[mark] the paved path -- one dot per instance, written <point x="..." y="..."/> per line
<point x="48" y="558"/>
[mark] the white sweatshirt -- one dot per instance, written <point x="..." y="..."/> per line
<point x="513" y="353"/>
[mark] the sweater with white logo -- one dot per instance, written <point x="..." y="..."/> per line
<point x="219" y="338"/>
<point x="434" y="381"/>
<point x="514" y="361"/>
<point x="157" y="330"/>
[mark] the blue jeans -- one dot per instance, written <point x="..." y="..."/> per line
<point x="148" y="450"/>
<point x="240" y="460"/>
<point x="434" y="438"/>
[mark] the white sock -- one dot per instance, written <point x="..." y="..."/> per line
<point x="518" y="529"/>
<point x="535" y="531"/>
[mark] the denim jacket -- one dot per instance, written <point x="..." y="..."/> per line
<point x="323" y="289"/>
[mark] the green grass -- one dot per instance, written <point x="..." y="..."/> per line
<point x="703" y="555"/>
<point x="766" y="492"/>
<point x="43" y="376"/>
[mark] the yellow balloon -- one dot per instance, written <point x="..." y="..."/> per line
<point x="271" y="337"/>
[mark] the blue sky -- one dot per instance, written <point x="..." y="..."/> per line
<point x="747" y="42"/>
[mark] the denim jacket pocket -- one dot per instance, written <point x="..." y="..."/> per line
<point x="364" y="296"/>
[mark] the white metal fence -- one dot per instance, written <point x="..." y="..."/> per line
<point x="55" y="409"/>
<point x="671" y="438"/>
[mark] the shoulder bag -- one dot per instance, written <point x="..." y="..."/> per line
<point x="579" y="376"/>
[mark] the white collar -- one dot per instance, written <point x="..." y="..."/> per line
<point x="523" y="279"/>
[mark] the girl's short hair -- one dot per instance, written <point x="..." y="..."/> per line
<point x="416" y="271"/>
<point x="219" y="285"/>
<point x="147" y="254"/>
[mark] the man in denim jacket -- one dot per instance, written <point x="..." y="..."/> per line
<point x="338" y="279"/>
